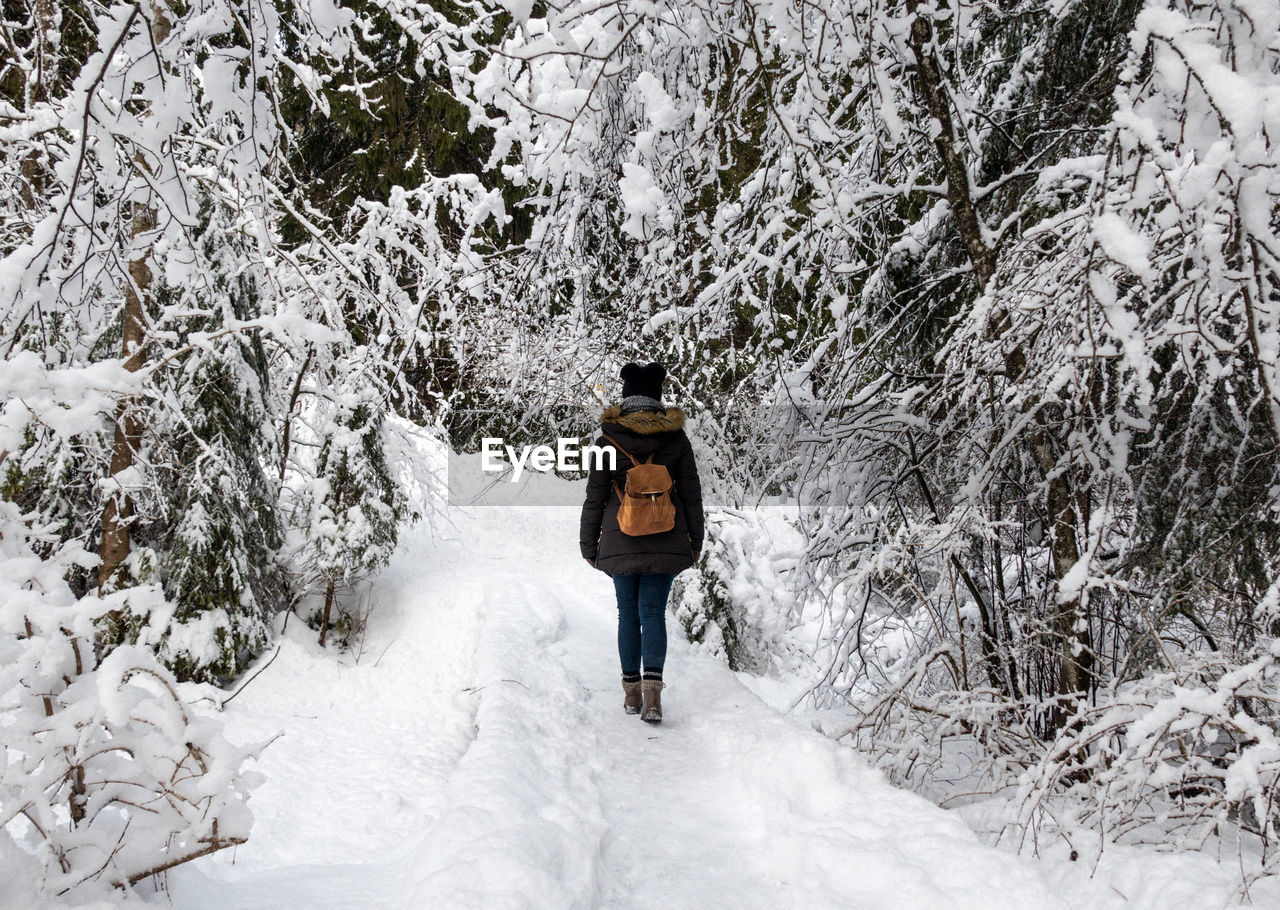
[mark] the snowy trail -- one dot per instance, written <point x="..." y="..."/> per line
<point x="485" y="762"/>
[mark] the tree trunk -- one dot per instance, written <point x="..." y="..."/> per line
<point x="288" y="414"/>
<point x="959" y="193"/>
<point x="48" y="23"/>
<point x="1001" y="674"/>
<point x="32" y="187"/>
<point x="1075" y="666"/>
<point x="78" y="799"/>
<point x="118" y="513"/>
<point x="328" y="607"/>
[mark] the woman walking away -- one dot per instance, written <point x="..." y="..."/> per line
<point x="641" y="524"/>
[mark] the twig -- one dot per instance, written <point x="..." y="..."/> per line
<point x="364" y="623"/>
<point x="179" y="860"/>
<point x="384" y="651"/>
<point x="487" y="685"/>
<point x="255" y="675"/>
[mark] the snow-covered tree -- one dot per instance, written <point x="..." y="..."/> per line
<point x="216" y="534"/>
<point x="353" y="506"/>
<point x="162" y="291"/>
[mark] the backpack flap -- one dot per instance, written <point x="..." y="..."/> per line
<point x="648" y="480"/>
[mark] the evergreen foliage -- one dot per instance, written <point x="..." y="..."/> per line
<point x="353" y="507"/>
<point x="217" y="532"/>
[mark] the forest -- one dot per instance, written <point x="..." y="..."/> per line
<point x="974" y="306"/>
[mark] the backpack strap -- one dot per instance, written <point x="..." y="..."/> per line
<point x="622" y="450"/>
<point x="617" y="489"/>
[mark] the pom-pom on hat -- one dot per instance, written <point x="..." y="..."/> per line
<point x="643" y="380"/>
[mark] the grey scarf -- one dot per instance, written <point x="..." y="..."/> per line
<point x="641" y="403"/>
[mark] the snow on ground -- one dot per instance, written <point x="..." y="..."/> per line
<point x="477" y="756"/>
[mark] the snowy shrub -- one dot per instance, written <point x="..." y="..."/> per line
<point x="353" y="507"/>
<point x="1192" y="753"/>
<point x="741" y="600"/>
<point x="925" y="730"/>
<point x="106" y="777"/>
<point x="701" y="606"/>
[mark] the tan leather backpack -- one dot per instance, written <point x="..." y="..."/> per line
<point x="646" y="506"/>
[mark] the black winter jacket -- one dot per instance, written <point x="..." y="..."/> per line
<point x="642" y="433"/>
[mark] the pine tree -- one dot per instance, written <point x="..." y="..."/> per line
<point x="218" y="534"/>
<point x="354" y="505"/>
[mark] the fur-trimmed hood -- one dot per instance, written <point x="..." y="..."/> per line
<point x="645" y="423"/>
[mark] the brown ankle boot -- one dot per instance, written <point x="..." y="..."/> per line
<point x="631" y="696"/>
<point x="651" y="711"/>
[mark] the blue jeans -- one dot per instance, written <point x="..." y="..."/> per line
<point x="642" y="620"/>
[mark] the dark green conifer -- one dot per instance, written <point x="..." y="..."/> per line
<point x="218" y="535"/>
<point x="355" y="505"/>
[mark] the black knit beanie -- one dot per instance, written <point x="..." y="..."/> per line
<point x="643" y="380"/>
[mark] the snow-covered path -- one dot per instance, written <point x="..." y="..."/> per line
<point x="477" y="756"/>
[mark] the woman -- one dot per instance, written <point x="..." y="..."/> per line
<point x="642" y="567"/>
